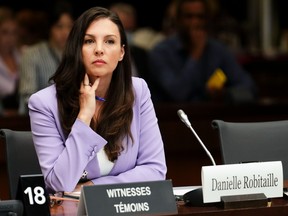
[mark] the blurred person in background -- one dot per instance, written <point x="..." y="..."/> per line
<point x="169" y="19"/>
<point x="190" y="65"/>
<point x="9" y="61"/>
<point x="32" y="26"/>
<point x="128" y="16"/>
<point x="41" y="60"/>
<point x="139" y="56"/>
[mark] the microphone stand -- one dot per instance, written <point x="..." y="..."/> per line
<point x="186" y="121"/>
<point x="204" y="147"/>
<point x="194" y="197"/>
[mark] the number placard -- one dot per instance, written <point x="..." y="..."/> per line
<point x="32" y="192"/>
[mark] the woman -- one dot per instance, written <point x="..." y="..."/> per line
<point x="10" y="55"/>
<point x="40" y="60"/>
<point x="114" y="138"/>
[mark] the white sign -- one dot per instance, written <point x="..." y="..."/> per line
<point x="244" y="178"/>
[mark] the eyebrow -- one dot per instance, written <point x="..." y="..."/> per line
<point x="110" y="35"/>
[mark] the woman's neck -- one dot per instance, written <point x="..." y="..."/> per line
<point x="102" y="87"/>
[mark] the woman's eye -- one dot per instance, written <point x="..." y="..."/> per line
<point x="110" y="41"/>
<point x="88" y="41"/>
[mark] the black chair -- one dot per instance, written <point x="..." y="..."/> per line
<point x="253" y="141"/>
<point x="21" y="157"/>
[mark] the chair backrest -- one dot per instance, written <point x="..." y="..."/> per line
<point x="253" y="141"/>
<point x="21" y="157"/>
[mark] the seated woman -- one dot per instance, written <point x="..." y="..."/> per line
<point x="96" y="124"/>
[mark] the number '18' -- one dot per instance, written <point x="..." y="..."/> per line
<point x="39" y="197"/>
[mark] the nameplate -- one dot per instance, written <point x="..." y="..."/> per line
<point x="140" y="198"/>
<point x="240" y="179"/>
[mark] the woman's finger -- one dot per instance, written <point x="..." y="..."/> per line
<point x="95" y="84"/>
<point x="86" y="80"/>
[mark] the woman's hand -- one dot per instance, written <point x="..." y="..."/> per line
<point x="87" y="100"/>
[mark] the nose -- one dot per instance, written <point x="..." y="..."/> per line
<point x="98" y="50"/>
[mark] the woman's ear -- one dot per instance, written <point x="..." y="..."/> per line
<point x="122" y="52"/>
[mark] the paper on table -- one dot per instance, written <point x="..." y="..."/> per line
<point x="179" y="191"/>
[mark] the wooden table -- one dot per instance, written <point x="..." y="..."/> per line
<point x="278" y="207"/>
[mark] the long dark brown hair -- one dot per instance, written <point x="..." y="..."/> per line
<point x="116" y="114"/>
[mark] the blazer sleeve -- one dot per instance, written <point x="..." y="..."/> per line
<point x="62" y="160"/>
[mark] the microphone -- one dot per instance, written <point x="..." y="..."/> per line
<point x="194" y="197"/>
<point x="186" y="121"/>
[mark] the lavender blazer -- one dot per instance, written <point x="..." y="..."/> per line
<point x="64" y="160"/>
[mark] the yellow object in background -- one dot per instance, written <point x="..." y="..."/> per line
<point x="217" y="80"/>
